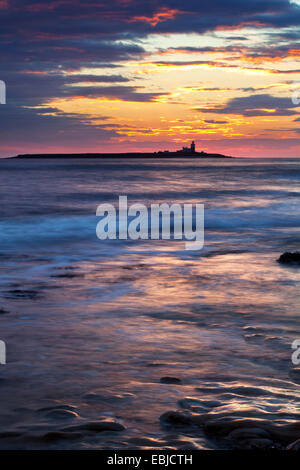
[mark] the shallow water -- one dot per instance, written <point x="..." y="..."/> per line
<point x="91" y="327"/>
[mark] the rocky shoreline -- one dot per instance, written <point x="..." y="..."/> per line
<point x="225" y="415"/>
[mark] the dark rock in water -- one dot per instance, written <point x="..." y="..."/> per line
<point x="248" y="391"/>
<point x="188" y="446"/>
<point x="56" y="436"/>
<point x="194" y="405"/>
<point x="200" y="419"/>
<point x="3" y="311"/>
<point x="67" y="275"/>
<point x="236" y="390"/>
<point x="175" y="418"/>
<point x="63" y="268"/>
<point x="294" y="445"/>
<point x="224" y="426"/>
<point x="248" y="433"/>
<point x="61" y="414"/>
<point x="212" y="403"/>
<point x="239" y="429"/>
<point x="198" y="406"/>
<point x="286" y="433"/>
<point x="252" y="444"/>
<point x="93" y="397"/>
<point x="290" y="258"/>
<point x="170" y="380"/>
<point x="96" y="426"/>
<point x="22" y="294"/>
<point x="295" y="375"/>
<point x="57" y="407"/>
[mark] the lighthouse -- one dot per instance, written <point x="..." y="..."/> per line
<point x="193" y="147"/>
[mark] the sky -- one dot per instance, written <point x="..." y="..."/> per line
<point x="148" y="75"/>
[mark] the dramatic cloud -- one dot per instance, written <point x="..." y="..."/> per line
<point x="79" y="55"/>
<point x="254" y="54"/>
<point x="214" y="121"/>
<point x="45" y="127"/>
<point x="255" y="105"/>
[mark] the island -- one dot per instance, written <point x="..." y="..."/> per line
<point x="186" y="152"/>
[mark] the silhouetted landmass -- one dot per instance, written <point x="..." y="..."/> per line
<point x="157" y="155"/>
<point x="290" y="258"/>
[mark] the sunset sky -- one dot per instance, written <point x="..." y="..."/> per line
<point x="133" y="75"/>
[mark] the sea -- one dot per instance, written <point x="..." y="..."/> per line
<point x="142" y="344"/>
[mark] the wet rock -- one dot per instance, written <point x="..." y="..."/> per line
<point x="200" y="419"/>
<point x="52" y="436"/>
<point x="290" y="258"/>
<point x="244" y="433"/>
<point x="67" y="275"/>
<point x="22" y="294"/>
<point x="175" y="418"/>
<point x="93" y="397"/>
<point x="236" y="411"/>
<point x="212" y="403"/>
<point x="251" y="329"/>
<point x="65" y="268"/>
<point x="61" y="414"/>
<point x="249" y="391"/>
<point x="272" y="339"/>
<point x="294" y="445"/>
<point x="198" y="406"/>
<point x="96" y="426"/>
<point x="3" y="311"/>
<point x="254" y="336"/>
<point x="193" y="406"/>
<point x="252" y="444"/>
<point x="224" y="426"/>
<point x="286" y="433"/>
<point x="57" y="407"/>
<point x="188" y="446"/>
<point x="170" y="380"/>
<point x="235" y="390"/>
<point x="190" y="403"/>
